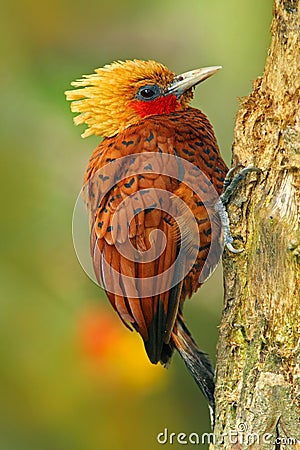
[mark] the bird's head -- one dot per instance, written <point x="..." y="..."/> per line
<point x="120" y="94"/>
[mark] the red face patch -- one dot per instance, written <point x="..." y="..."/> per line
<point x="160" y="105"/>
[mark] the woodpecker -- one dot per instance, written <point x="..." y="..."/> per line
<point x="141" y="110"/>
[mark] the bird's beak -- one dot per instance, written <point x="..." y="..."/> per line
<point x="185" y="81"/>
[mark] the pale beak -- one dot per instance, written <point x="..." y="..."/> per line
<point x="185" y="81"/>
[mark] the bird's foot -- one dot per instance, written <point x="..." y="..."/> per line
<point x="228" y="239"/>
<point x="232" y="181"/>
<point x="230" y="184"/>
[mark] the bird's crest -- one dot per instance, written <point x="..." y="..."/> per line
<point x="104" y="98"/>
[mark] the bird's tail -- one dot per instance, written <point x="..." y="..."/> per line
<point x="195" y="360"/>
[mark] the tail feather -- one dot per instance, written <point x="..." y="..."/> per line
<point x="195" y="360"/>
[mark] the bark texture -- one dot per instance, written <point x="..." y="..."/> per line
<point x="258" y="373"/>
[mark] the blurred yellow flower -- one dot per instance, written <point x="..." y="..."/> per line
<point x="113" y="353"/>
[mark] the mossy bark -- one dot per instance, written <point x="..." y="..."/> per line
<point x="258" y="357"/>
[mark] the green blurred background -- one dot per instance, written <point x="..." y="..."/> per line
<point x="72" y="378"/>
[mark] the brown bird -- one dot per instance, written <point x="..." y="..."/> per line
<point x="150" y="188"/>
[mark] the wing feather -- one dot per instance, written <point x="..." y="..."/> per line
<point x="187" y="133"/>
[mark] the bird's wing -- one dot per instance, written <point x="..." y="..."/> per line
<point x="125" y="214"/>
<point x="196" y="142"/>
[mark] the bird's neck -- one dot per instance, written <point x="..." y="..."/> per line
<point x="160" y="105"/>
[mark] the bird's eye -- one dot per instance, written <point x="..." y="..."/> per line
<point x="149" y="92"/>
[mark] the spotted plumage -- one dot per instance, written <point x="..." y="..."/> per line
<point x="141" y="109"/>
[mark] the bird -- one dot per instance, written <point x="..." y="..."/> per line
<point x="139" y="189"/>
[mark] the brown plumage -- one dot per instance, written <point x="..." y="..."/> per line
<point x="126" y="201"/>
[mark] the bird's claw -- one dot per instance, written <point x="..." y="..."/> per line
<point x="228" y="239"/>
<point x="232" y="249"/>
<point x="231" y="182"/>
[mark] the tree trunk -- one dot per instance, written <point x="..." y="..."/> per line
<point x="258" y="361"/>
